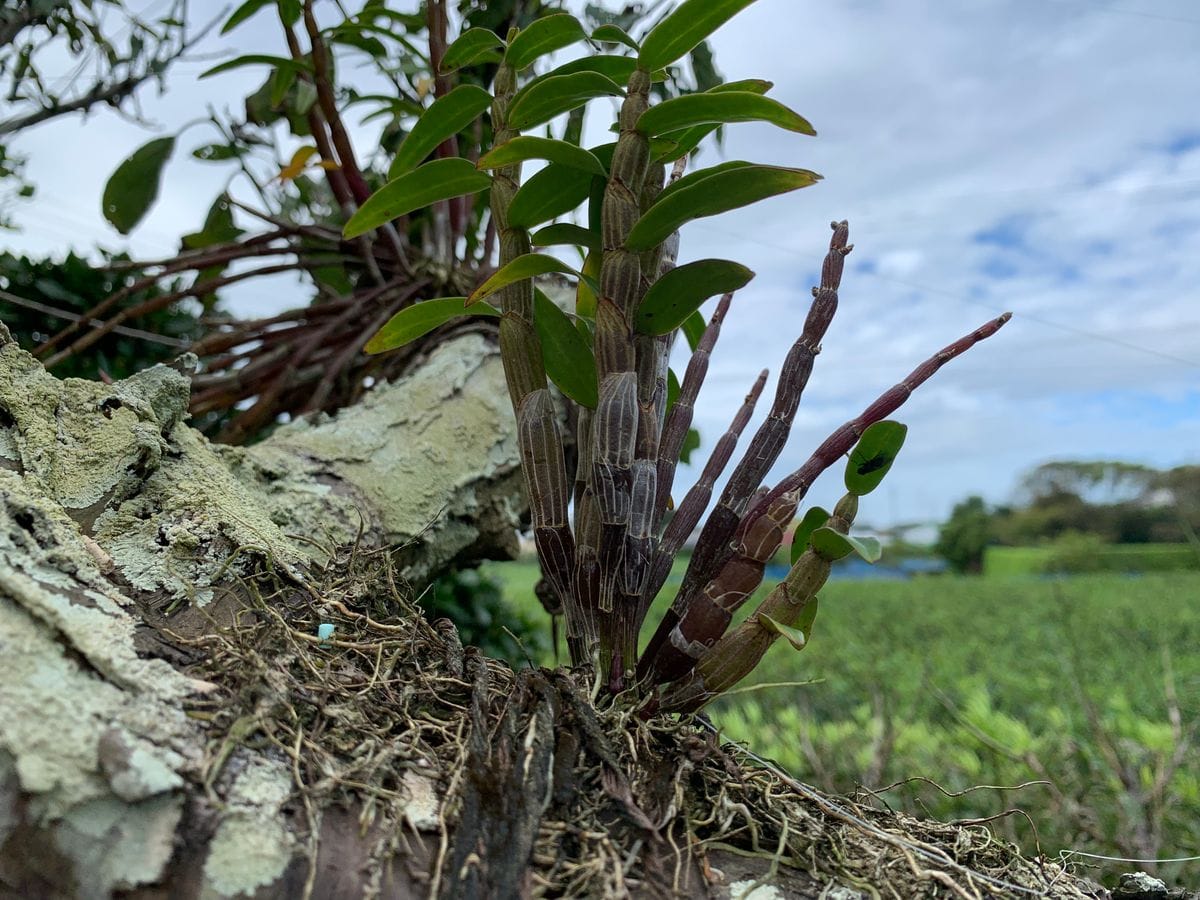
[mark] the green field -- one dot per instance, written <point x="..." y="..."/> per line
<point x="1081" y="554"/>
<point x="1091" y="683"/>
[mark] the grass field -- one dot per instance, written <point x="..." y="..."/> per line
<point x="1085" y="554"/>
<point x="1090" y="683"/>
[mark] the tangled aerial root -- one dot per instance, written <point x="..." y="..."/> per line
<point x="532" y="788"/>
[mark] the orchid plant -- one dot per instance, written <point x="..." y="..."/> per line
<point x="603" y="522"/>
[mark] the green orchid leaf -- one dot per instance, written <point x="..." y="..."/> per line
<point x="671" y="146"/>
<point x="813" y="519"/>
<point x="753" y="85"/>
<point x="681" y="291"/>
<point x="446" y="117"/>
<point x="566" y="354"/>
<point x="584" y="327"/>
<point x="289" y="12"/>
<point x="617" y="68"/>
<point x="673" y="388"/>
<point x="566" y="233"/>
<point x="439" y="179"/>
<point x="522" y="148"/>
<point x="469" y="47"/>
<point x="721" y="192"/>
<point x="133" y="187"/>
<point x="690" y="23"/>
<point x="542" y="100"/>
<point x="833" y="545"/>
<point x="613" y="34"/>
<point x="542" y="36"/>
<point x="244" y="12"/>
<point x="691" y="443"/>
<point x="585" y="296"/>
<point x="808" y="615"/>
<point x="793" y="636"/>
<point x="698" y="175"/>
<point x="419" y="319"/>
<point x="552" y="192"/>
<point x="720" y="108"/>
<point x="282" y="80"/>
<point x="520" y="269"/>
<point x="873" y="456"/>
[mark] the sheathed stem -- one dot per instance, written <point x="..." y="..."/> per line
<point x="520" y="346"/>
<point x="843" y="440"/>
<point x="615" y="429"/>
<point x="549" y="493"/>
<point x="692" y="507"/>
<point x="792" y="603"/>
<point x="679" y="419"/>
<point x="713" y="547"/>
<point x="543" y="462"/>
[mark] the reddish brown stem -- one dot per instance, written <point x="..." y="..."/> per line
<point x="253" y="329"/>
<point x="689" y="511"/>
<point x="679" y="419"/>
<point x="761" y="531"/>
<point x="712" y="548"/>
<point x="842" y="440"/>
<point x="227" y="253"/>
<point x="353" y="347"/>
<point x="323" y="81"/>
<point x="157" y="303"/>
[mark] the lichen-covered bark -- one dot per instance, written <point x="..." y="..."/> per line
<point x="427" y="465"/>
<point x="110" y="503"/>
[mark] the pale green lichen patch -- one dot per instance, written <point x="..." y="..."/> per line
<point x="55" y="710"/>
<point x="292" y="492"/>
<point x="164" y="505"/>
<point x="190" y="516"/>
<point x="72" y="679"/>
<point x="753" y="890"/>
<point x="46" y="568"/>
<point x="8" y="444"/>
<point x="252" y="846"/>
<point x="136" y="770"/>
<point x="86" y="441"/>
<point x="415" y="464"/>
<point x="114" y="845"/>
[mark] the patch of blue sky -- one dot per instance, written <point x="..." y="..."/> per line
<point x="999" y="268"/>
<point x="1130" y="407"/>
<point x="1008" y="233"/>
<point x="1014" y="250"/>
<point x="1172" y="228"/>
<point x="1181" y="143"/>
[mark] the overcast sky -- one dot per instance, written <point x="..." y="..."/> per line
<point x="1039" y="156"/>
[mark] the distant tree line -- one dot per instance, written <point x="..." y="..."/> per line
<point x="1113" y="502"/>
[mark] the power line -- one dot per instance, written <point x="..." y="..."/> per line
<point x="1038" y="320"/>
<point x="1116" y="10"/>
<point x="49" y="310"/>
<point x="1028" y="317"/>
